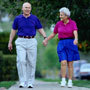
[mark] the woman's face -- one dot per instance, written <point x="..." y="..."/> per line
<point x="63" y="17"/>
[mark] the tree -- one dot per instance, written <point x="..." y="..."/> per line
<point x="48" y="11"/>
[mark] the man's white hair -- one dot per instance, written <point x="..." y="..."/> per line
<point x="26" y="3"/>
<point x="65" y="10"/>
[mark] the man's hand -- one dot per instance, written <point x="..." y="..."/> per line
<point x="12" y="35"/>
<point x="10" y="46"/>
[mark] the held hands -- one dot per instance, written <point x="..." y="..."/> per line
<point x="45" y="42"/>
<point x="75" y="41"/>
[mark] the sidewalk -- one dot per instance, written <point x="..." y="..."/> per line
<point x="40" y="85"/>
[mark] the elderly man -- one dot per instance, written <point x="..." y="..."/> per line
<point x="26" y="45"/>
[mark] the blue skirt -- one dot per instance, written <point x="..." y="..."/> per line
<point x="67" y="50"/>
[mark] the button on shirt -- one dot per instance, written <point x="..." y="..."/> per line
<point x="65" y="30"/>
<point x="26" y="26"/>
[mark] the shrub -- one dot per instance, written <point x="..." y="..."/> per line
<point x="4" y="38"/>
<point x="1" y="60"/>
<point x="8" y="68"/>
<point x="84" y="46"/>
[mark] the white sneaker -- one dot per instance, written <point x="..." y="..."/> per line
<point x="30" y="85"/>
<point x="63" y="83"/>
<point x="70" y="84"/>
<point x="22" y="85"/>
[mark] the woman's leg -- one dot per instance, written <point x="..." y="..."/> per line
<point x="63" y="68"/>
<point x="70" y="69"/>
<point x="63" y="72"/>
<point x="70" y="72"/>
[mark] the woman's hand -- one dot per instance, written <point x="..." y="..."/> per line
<point x="75" y="41"/>
<point x="45" y="42"/>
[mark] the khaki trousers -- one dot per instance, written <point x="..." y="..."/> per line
<point x="26" y="59"/>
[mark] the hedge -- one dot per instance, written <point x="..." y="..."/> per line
<point x="8" y="69"/>
<point x="4" y="38"/>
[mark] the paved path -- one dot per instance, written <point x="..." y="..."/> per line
<point x="40" y="85"/>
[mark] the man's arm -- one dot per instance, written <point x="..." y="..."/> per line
<point x="41" y="31"/>
<point x="12" y="35"/>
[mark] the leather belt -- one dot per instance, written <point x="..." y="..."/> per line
<point x="26" y="37"/>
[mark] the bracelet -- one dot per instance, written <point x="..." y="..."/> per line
<point x="76" y="39"/>
<point x="45" y="37"/>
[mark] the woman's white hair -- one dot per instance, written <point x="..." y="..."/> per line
<point x="65" y="10"/>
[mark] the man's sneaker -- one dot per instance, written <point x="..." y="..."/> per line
<point x="70" y="84"/>
<point x="63" y="83"/>
<point x="30" y="86"/>
<point x="22" y="85"/>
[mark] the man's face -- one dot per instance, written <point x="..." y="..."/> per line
<point x="26" y="8"/>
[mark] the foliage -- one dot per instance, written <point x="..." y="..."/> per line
<point x="6" y="26"/>
<point x="4" y="38"/>
<point x="84" y="46"/>
<point x="48" y="12"/>
<point x="51" y="55"/>
<point x="1" y="60"/>
<point x="8" y="67"/>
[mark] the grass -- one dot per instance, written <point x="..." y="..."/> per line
<point x="78" y="83"/>
<point x="82" y="83"/>
<point x="7" y="84"/>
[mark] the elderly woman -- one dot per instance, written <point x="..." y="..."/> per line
<point x="67" y="46"/>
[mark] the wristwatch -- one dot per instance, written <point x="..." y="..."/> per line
<point x="45" y="37"/>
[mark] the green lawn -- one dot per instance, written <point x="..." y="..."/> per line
<point x="79" y="83"/>
<point x="7" y="84"/>
<point x="82" y="83"/>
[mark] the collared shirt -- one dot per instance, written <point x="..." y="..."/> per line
<point x="26" y="26"/>
<point x="65" y="30"/>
